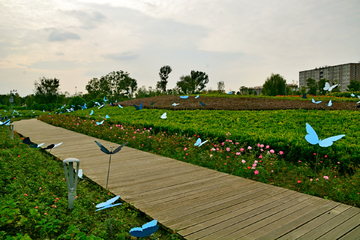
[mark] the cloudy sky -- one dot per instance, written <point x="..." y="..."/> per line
<point x="236" y="41"/>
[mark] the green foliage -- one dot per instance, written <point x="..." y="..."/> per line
<point x="43" y="106"/>
<point x="354" y="85"/>
<point x="164" y="75"/>
<point x="4" y="107"/>
<point x="195" y="82"/>
<point x="47" y="90"/>
<point x="34" y="205"/>
<point x="311" y="83"/>
<point x="274" y="85"/>
<point x="77" y="102"/>
<point x="35" y="106"/>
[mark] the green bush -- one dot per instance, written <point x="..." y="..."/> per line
<point x="4" y="107"/>
<point x="77" y="102"/>
<point x="43" y="106"/>
<point x="35" y="106"/>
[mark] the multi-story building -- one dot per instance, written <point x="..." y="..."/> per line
<point x="342" y="74"/>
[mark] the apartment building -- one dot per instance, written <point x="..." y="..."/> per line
<point x="342" y="74"/>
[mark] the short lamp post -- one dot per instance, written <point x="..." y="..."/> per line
<point x="11" y="100"/>
<point x="71" y="180"/>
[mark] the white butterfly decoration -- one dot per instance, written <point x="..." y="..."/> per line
<point x="197" y="96"/>
<point x="164" y="116"/>
<point x="313" y="138"/>
<point x="199" y="143"/>
<point x="108" y="204"/>
<point x="99" y="123"/>
<point x="120" y="106"/>
<point x="175" y="104"/>
<point x="329" y="104"/>
<point x="328" y="88"/>
<point x="80" y="173"/>
<point x="316" y="102"/>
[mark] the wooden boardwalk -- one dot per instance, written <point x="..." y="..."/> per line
<point x="197" y="202"/>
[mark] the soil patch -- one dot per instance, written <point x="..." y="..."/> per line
<point x="236" y="103"/>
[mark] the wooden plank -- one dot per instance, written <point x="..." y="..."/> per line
<point x="352" y="235"/>
<point x="340" y="230"/>
<point x="319" y="217"/>
<point x="279" y="209"/>
<point x="330" y="224"/>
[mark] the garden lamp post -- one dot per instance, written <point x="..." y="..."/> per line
<point x="71" y="180"/>
<point x="11" y="100"/>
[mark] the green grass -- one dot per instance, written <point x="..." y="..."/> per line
<point x="34" y="205"/>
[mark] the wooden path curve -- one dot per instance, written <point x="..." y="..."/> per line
<point x="197" y="202"/>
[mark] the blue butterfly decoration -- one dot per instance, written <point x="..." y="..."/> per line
<point x="98" y="104"/>
<point x="184" y="97"/>
<point x="146" y="230"/>
<point x="316" y="102"/>
<point x="329" y="104"/>
<point x="199" y="143"/>
<point x="43" y="110"/>
<point x="175" y="104"/>
<point x="7" y="122"/>
<point x="108" y="204"/>
<point x="304" y="95"/>
<point x="120" y="106"/>
<point x="197" y="96"/>
<point x="107" y="116"/>
<point x="138" y="107"/>
<point x="92" y="112"/>
<point x="353" y="95"/>
<point x="230" y="92"/>
<point x="202" y="104"/>
<point x="115" y="100"/>
<point x="313" y="138"/>
<point x="84" y="107"/>
<point x="99" y="123"/>
<point x="105" y="99"/>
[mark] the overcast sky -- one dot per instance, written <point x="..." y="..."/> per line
<point x="236" y="41"/>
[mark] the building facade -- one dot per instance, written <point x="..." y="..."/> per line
<point x="342" y="74"/>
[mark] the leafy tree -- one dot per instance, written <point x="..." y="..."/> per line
<point x="321" y="85"/>
<point x="354" y="85"/>
<point x="274" y="85"/>
<point x="164" y="75"/>
<point x="251" y="91"/>
<point x="77" y="102"/>
<point x="118" y="81"/>
<point x="221" y="86"/>
<point x="47" y="90"/>
<point x="93" y="88"/>
<point x="194" y="82"/>
<point x="311" y="83"/>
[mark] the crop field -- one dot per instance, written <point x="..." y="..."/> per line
<point x="239" y="142"/>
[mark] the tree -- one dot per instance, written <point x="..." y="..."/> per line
<point x="274" y="85"/>
<point x="46" y="90"/>
<point x="221" y="86"/>
<point x="119" y="81"/>
<point x="195" y="82"/>
<point x="164" y="75"/>
<point x="311" y="83"/>
<point x="354" y="85"/>
<point x="93" y="88"/>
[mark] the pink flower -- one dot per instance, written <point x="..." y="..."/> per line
<point x="258" y="144"/>
<point x="243" y="161"/>
<point x="241" y="149"/>
<point x="260" y="156"/>
<point x="185" y="149"/>
<point x="271" y="151"/>
<point x="25" y="194"/>
<point x="267" y="146"/>
<point x="211" y="155"/>
<point x="133" y="137"/>
<point x="256" y="172"/>
<point x="281" y="152"/>
<point x="217" y="149"/>
<point x="238" y="153"/>
<point x="311" y="179"/>
<point x="45" y="213"/>
<point x="249" y="147"/>
<point x="36" y="207"/>
<point x="149" y="136"/>
<point x="222" y="144"/>
<point x="299" y="181"/>
<point x="254" y="165"/>
<point x="326" y="177"/>
<point x="262" y="145"/>
<point x="228" y="149"/>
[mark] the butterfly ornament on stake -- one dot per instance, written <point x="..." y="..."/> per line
<point x="106" y="151"/>
<point x="199" y="143"/>
<point x="316" y="102"/>
<point x="106" y="205"/>
<point x="138" y="107"/>
<point x="328" y="87"/>
<point x="313" y="139"/>
<point x="146" y="230"/>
